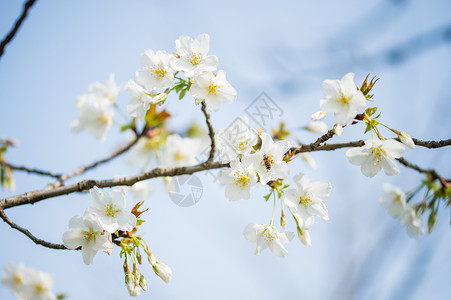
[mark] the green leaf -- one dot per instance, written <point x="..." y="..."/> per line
<point x="182" y="94"/>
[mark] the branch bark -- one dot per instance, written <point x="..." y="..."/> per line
<point x="16" y="27"/>
<point x="211" y="133"/>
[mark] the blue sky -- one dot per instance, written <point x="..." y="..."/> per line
<point x="286" y="50"/>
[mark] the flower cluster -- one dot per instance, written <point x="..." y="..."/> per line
<point x="94" y="108"/>
<point x="103" y="223"/>
<point x="395" y="200"/>
<point x="28" y="283"/>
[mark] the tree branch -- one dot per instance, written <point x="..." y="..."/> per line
<point x="432" y="144"/>
<point x="431" y="172"/>
<point x="14" y="30"/>
<point x="211" y="133"/>
<point x="39" y="195"/>
<point x="36" y="240"/>
<point x="29" y="170"/>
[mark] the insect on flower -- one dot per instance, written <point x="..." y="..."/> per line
<point x="267" y="160"/>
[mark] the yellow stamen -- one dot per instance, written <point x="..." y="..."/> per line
<point x="344" y="100"/>
<point x="241" y="179"/>
<point x="195" y="58"/>
<point x="306" y="200"/>
<point x="110" y="210"/>
<point x="268" y="236"/>
<point x="158" y="71"/>
<point x="39" y="288"/>
<point x="89" y="236"/>
<point x="178" y="156"/>
<point x="103" y="119"/>
<point x="213" y="89"/>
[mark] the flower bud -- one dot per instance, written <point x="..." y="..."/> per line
<point x="338" y="129"/>
<point x="163" y="271"/>
<point x="143" y="283"/>
<point x="406" y="139"/>
<point x="304" y="236"/>
<point x="283" y="220"/>
<point x="318" y="115"/>
<point x="159" y="99"/>
<point x="316" y="127"/>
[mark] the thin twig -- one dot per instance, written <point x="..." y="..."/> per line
<point x="430" y="172"/>
<point x="14" y="30"/>
<point x="36" y="240"/>
<point x="211" y="133"/>
<point x="432" y="144"/>
<point x="29" y="170"/>
<point x="39" y="195"/>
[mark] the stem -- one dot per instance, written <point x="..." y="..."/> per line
<point x="273" y="211"/>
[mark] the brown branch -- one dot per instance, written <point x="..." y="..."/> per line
<point x="29" y="170"/>
<point x="36" y="240"/>
<point x="39" y="195"/>
<point x="432" y="144"/>
<point x="211" y="133"/>
<point x="431" y="172"/>
<point x="14" y="30"/>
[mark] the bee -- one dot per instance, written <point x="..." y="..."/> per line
<point x="267" y="160"/>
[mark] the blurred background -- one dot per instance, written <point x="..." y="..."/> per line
<point x="284" y="49"/>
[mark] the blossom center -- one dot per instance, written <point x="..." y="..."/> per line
<point x="39" y="288"/>
<point x="306" y="200"/>
<point x="110" y="210"/>
<point x="378" y="153"/>
<point x="241" y="179"/>
<point x="343" y="99"/>
<point x="158" y="71"/>
<point x="103" y="119"/>
<point x="242" y="145"/>
<point x="195" y="58"/>
<point x="268" y="236"/>
<point x="178" y="156"/>
<point x="18" y="278"/>
<point x="213" y="89"/>
<point x="89" y="236"/>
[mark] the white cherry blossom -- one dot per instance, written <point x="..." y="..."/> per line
<point x="235" y="140"/>
<point x="375" y="155"/>
<point x="180" y="151"/>
<point x="213" y="88"/>
<point x="110" y="208"/>
<point x="268" y="236"/>
<point x="343" y="98"/>
<point x="140" y="102"/>
<point x="406" y="139"/>
<point x="15" y="278"/>
<point x="238" y="179"/>
<point x="193" y="58"/>
<point x="156" y="72"/>
<point x="87" y="233"/>
<point x="94" y="117"/>
<point x="316" y="127"/>
<point x="268" y="160"/>
<point x="394" y="199"/>
<point x="307" y="199"/>
<point x="108" y="90"/>
<point x="39" y="286"/>
<point x="413" y="222"/>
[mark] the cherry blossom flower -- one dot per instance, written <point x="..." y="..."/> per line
<point x="213" y="88"/>
<point x="413" y="222"/>
<point x="156" y="72"/>
<point x="238" y="179"/>
<point x="140" y="102"/>
<point x="343" y="98"/>
<point x="268" y="160"/>
<point x="87" y="233"/>
<point x="304" y="236"/>
<point x="39" y="286"/>
<point x="15" y="277"/>
<point x="235" y="140"/>
<point x="180" y="151"/>
<point x="307" y="199"/>
<point x="268" y="236"/>
<point x="94" y="116"/>
<point x="110" y="208"/>
<point x="108" y="90"/>
<point x="375" y="155"/>
<point x="141" y="190"/>
<point x="193" y="58"/>
<point x="394" y="199"/>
